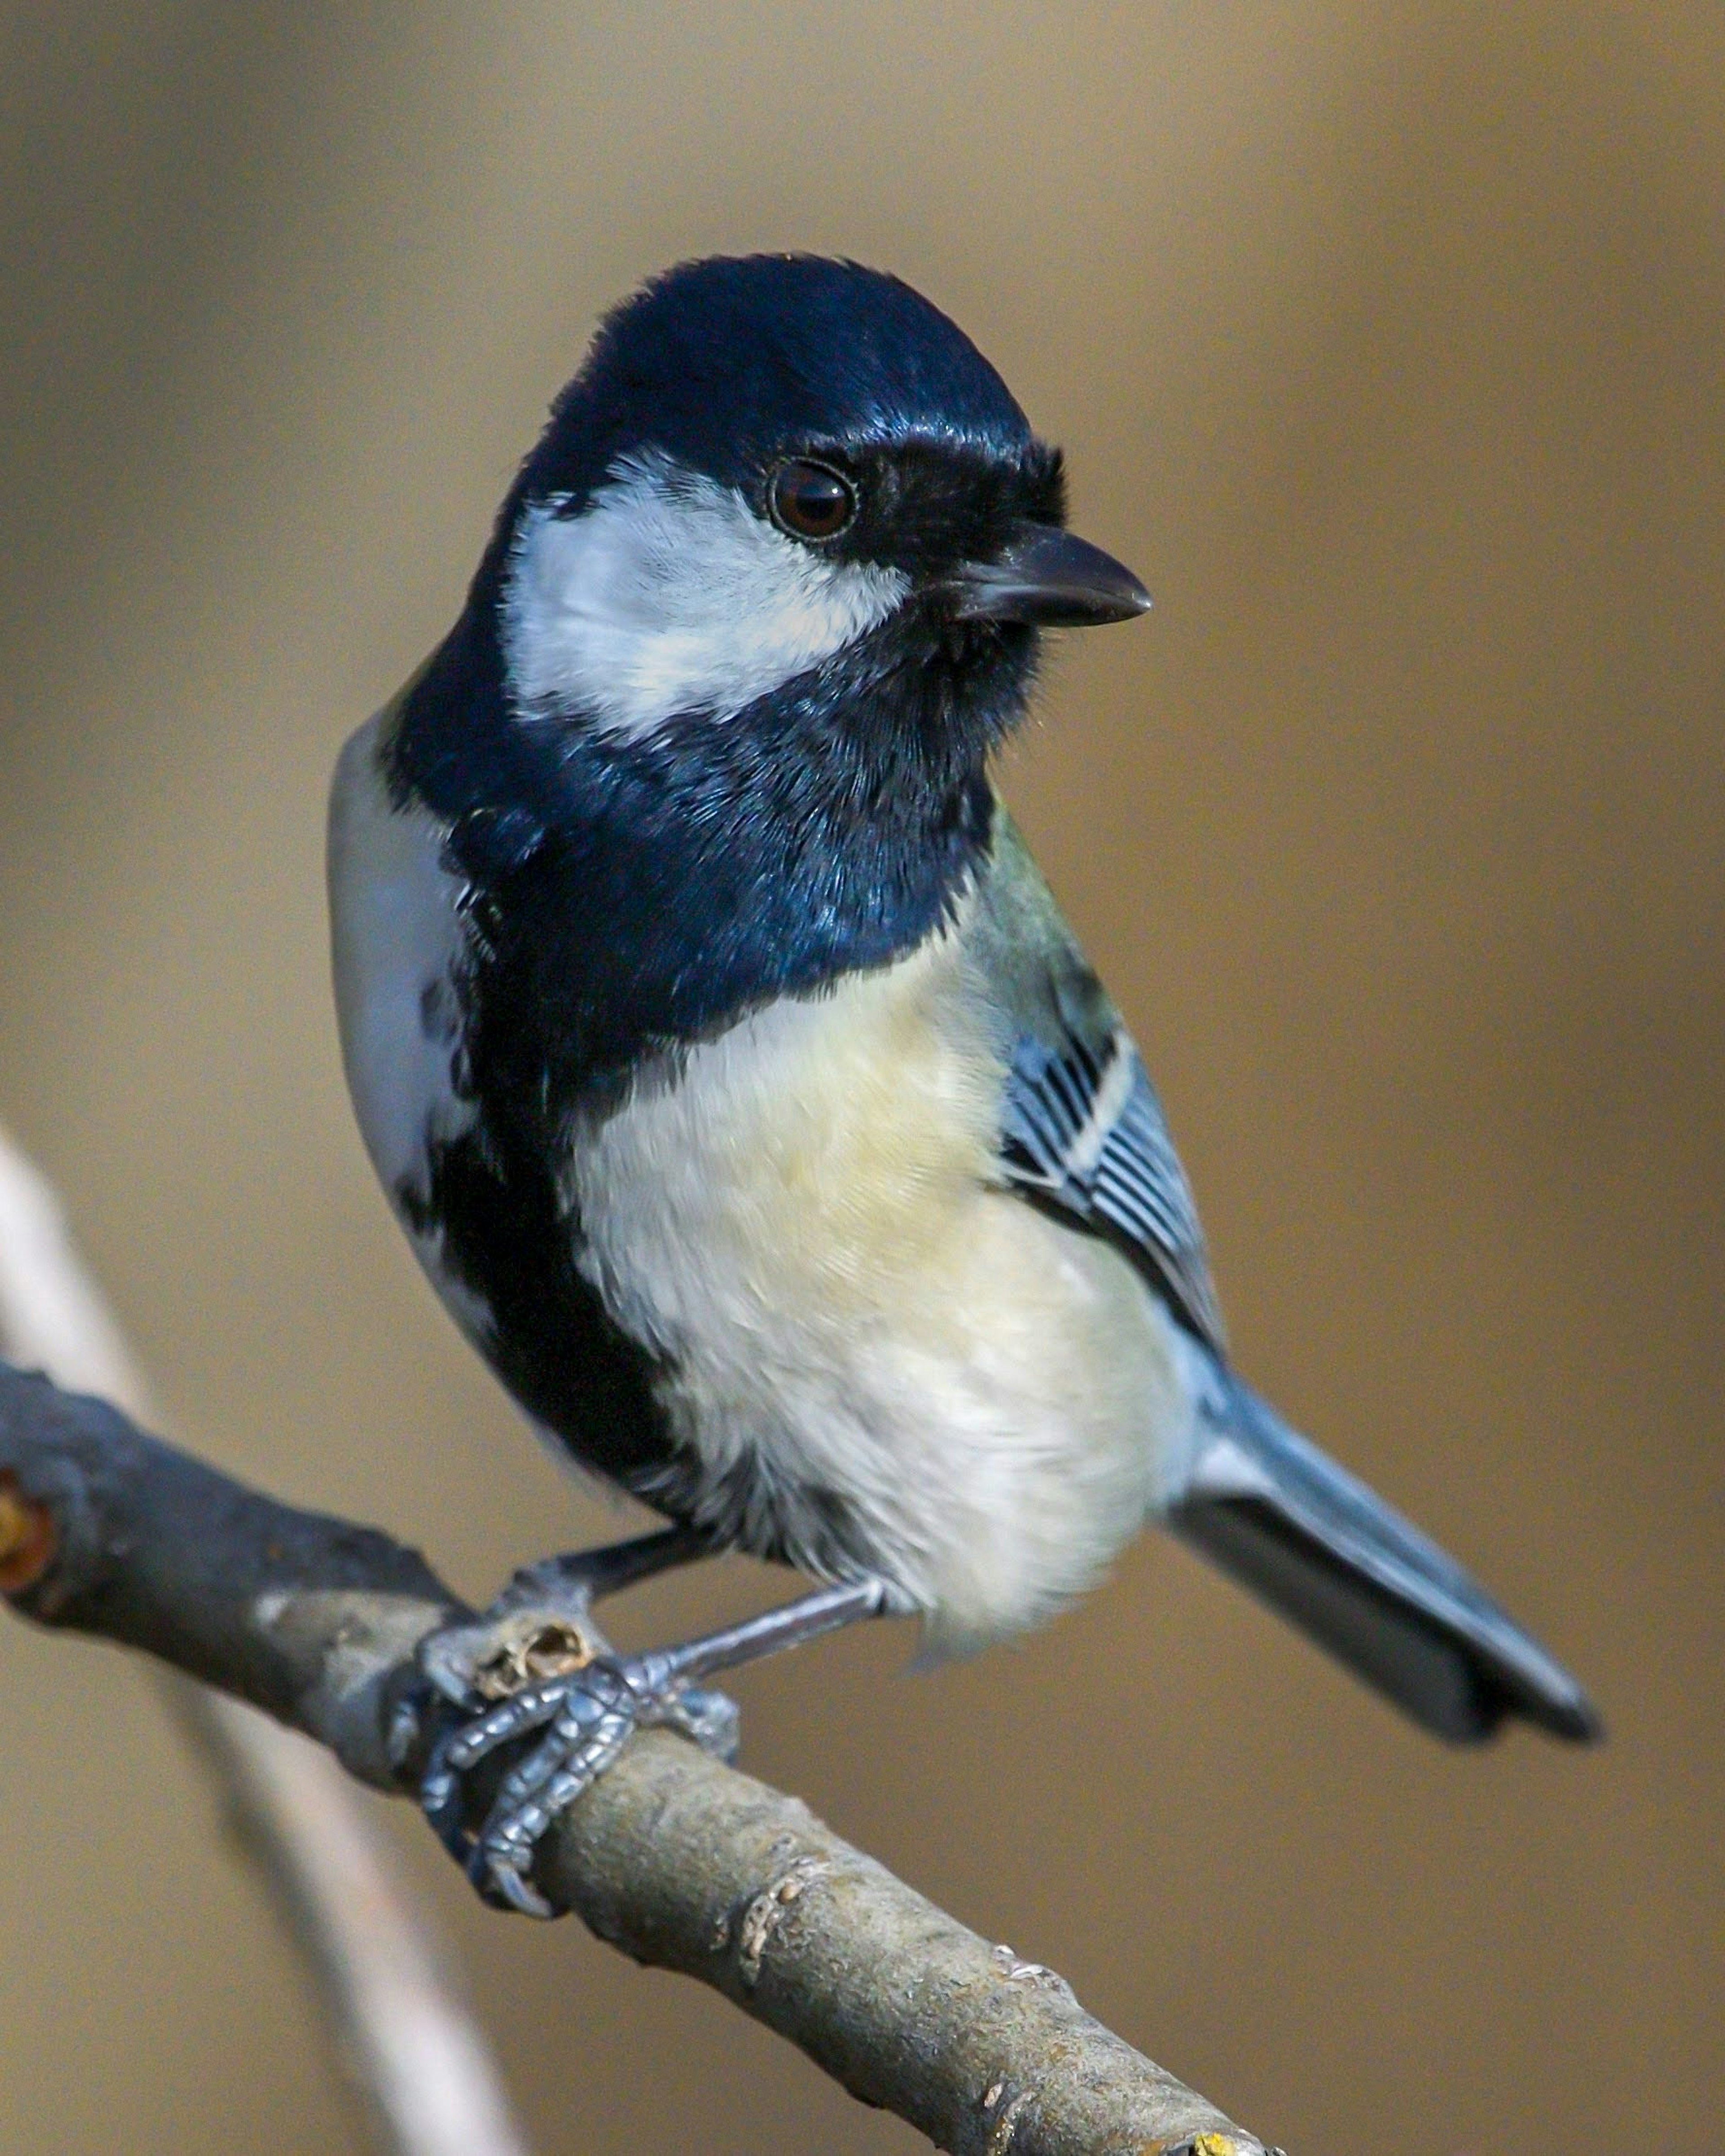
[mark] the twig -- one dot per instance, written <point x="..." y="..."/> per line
<point x="680" y="1862"/>
<point x="413" y="2049"/>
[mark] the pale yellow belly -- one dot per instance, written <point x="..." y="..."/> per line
<point x="809" y="1226"/>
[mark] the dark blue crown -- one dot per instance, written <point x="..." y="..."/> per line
<point x="727" y="363"/>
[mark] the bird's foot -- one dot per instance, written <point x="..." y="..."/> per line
<point x="550" y="1676"/>
<point x="537" y="1667"/>
<point x="536" y="1664"/>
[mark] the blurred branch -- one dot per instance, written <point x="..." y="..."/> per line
<point x="402" y="2035"/>
<point x="682" y="1862"/>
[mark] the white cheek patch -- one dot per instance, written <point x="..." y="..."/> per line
<point x="669" y="595"/>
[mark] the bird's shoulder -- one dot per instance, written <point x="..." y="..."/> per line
<point x="1082" y="1132"/>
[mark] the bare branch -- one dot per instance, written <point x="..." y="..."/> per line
<point x="424" y="2063"/>
<point x="402" y="2034"/>
<point x="682" y="1862"/>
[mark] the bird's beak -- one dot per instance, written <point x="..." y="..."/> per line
<point x="1046" y="577"/>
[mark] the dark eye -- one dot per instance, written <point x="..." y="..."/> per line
<point x="810" y="500"/>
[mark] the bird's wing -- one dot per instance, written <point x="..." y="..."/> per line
<point x="1082" y="1131"/>
<point x="1082" y="1134"/>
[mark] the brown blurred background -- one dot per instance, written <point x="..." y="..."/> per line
<point x="1388" y="344"/>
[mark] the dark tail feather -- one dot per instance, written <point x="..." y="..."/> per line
<point x="1320" y="1548"/>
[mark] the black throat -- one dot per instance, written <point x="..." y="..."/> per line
<point x="632" y="897"/>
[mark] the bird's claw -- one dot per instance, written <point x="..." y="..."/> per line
<point x="548" y="1674"/>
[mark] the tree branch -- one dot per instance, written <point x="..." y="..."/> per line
<point x="403" y="2036"/>
<point x="680" y="1862"/>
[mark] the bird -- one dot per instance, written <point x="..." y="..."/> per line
<point x="743" y="1090"/>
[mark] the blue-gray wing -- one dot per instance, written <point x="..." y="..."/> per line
<point x="1082" y="1134"/>
<point x="1082" y="1131"/>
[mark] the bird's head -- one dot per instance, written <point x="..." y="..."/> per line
<point x="781" y="471"/>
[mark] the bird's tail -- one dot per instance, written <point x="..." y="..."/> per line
<point x="1320" y="1548"/>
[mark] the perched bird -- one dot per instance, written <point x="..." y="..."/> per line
<point x="742" y="1088"/>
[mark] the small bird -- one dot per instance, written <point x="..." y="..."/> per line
<point x="742" y="1091"/>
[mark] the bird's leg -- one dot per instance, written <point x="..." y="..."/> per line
<point x="582" y="1713"/>
<point x="541" y="1624"/>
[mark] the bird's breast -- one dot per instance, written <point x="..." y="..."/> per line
<point x="876" y="1358"/>
<point x="812" y="1153"/>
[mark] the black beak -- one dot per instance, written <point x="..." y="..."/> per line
<point x="1046" y="577"/>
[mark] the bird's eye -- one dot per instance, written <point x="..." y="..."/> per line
<point x="811" y="500"/>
